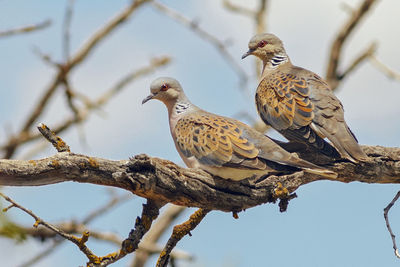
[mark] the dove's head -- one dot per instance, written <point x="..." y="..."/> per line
<point x="165" y="89"/>
<point x="264" y="46"/>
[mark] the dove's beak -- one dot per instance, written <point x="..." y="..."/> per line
<point x="248" y="53"/>
<point x="147" y="98"/>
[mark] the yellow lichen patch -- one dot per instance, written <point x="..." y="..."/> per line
<point x="84" y="238"/>
<point x="82" y="165"/>
<point x="61" y="144"/>
<point x="93" y="259"/>
<point x="33" y="162"/>
<point x="9" y="207"/>
<point x="55" y="163"/>
<point x="93" y="162"/>
<point x="162" y="255"/>
<point x="36" y="224"/>
<point x="280" y="191"/>
<point x="110" y="256"/>
<point x="181" y="230"/>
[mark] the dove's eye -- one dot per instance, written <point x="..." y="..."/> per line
<point x="262" y="43"/>
<point x="164" y="87"/>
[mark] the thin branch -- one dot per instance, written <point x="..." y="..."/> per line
<point x="159" y="227"/>
<point x="66" y="30"/>
<point x="45" y="57"/>
<point x="98" y="36"/>
<point x="123" y="82"/>
<point x="43" y="254"/>
<point x="178" y="233"/>
<point x="219" y="45"/>
<point x="239" y="9"/>
<point x="80" y="242"/>
<point x="83" y="113"/>
<point x="333" y="76"/>
<point x="389" y="72"/>
<point x="260" y="23"/>
<point x="385" y="214"/>
<point x="69" y="94"/>
<point x="142" y="225"/>
<point x="74" y="228"/>
<point x="368" y="53"/>
<point x="64" y="70"/>
<point x="55" y="140"/>
<point x="259" y="18"/>
<point x="25" y="29"/>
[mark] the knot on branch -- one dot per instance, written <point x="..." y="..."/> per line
<point x="141" y="163"/>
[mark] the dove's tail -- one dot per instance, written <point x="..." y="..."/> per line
<point x="311" y="168"/>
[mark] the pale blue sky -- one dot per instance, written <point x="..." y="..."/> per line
<point x="329" y="224"/>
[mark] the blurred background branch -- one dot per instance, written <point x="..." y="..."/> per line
<point x="25" y="29"/>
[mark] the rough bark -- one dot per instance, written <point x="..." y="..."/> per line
<point x="162" y="180"/>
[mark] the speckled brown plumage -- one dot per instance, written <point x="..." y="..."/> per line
<point x="223" y="146"/>
<point x="299" y="104"/>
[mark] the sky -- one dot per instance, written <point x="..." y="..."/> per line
<point x="329" y="224"/>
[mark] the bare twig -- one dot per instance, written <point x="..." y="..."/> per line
<point x="66" y="29"/>
<point x="219" y="45"/>
<point x="369" y="52"/>
<point x="178" y="233"/>
<point x="124" y="81"/>
<point x="389" y="72"/>
<point x="385" y="214"/>
<point x="45" y="57"/>
<point x="83" y="113"/>
<point x="259" y="20"/>
<point x="80" y="242"/>
<point x="109" y="237"/>
<point x="239" y="9"/>
<point x="43" y="254"/>
<point x="130" y="244"/>
<point x="259" y="17"/>
<point x="64" y="70"/>
<point x="55" y="140"/>
<point x="70" y="98"/>
<point x="75" y="228"/>
<point x="98" y="36"/>
<point x="25" y="29"/>
<point x="333" y="76"/>
<point x="159" y="227"/>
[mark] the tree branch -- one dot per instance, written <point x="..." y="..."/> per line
<point x="159" y="227"/>
<point x="162" y="180"/>
<point x="368" y="53"/>
<point x="142" y="225"/>
<point x="178" y="233"/>
<point x="83" y="113"/>
<point x="219" y="45"/>
<point x="389" y="72"/>
<point x="80" y="242"/>
<point x="333" y="76"/>
<point x="65" y="68"/>
<point x="386" y="216"/>
<point x="25" y="29"/>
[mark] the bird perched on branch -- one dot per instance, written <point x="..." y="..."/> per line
<point x="299" y="104"/>
<point x="219" y="145"/>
